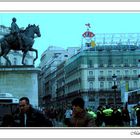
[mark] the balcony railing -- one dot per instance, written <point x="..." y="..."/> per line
<point x="91" y="78"/>
<point x="101" y="78"/>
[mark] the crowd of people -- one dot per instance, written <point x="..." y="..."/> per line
<point x="104" y="116"/>
<point x="75" y="115"/>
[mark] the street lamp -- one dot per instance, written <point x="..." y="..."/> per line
<point x="114" y="87"/>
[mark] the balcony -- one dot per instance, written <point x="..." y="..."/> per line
<point x="101" y="78"/>
<point x="109" y="78"/>
<point x="126" y="65"/>
<point x="135" y="77"/>
<point x="126" y="78"/>
<point x="101" y="65"/>
<point x="110" y="65"/>
<point x="91" y="78"/>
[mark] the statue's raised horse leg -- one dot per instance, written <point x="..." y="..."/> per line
<point x="34" y="50"/>
<point x="25" y="52"/>
<point x="23" y="57"/>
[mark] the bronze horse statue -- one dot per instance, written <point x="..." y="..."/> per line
<point x="10" y="42"/>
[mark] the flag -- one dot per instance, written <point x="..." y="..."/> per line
<point x="88" y="25"/>
<point x="127" y="86"/>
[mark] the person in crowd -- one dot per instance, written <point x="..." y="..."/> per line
<point x="125" y="117"/>
<point x="133" y="116"/>
<point x="80" y="117"/>
<point x="100" y="116"/>
<point x="90" y="111"/>
<point x="68" y="115"/>
<point x="52" y="115"/>
<point x="27" y="116"/>
<point x="107" y="112"/>
<point x="138" y="114"/>
<point x="117" y="118"/>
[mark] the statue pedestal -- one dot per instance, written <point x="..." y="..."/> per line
<point x="20" y="81"/>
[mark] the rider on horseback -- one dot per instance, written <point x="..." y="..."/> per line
<point x="15" y="30"/>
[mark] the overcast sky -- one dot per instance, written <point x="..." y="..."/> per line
<point x="66" y="29"/>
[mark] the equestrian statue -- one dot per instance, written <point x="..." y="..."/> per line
<point x="19" y="40"/>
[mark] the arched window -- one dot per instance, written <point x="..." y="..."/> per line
<point x="110" y="85"/>
<point x="90" y="85"/>
<point x="135" y="84"/>
<point x="109" y="73"/>
<point x="101" y="85"/>
<point x="91" y="73"/>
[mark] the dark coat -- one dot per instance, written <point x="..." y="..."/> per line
<point x="117" y="118"/>
<point x="125" y="115"/>
<point x="138" y="116"/>
<point x="100" y="118"/>
<point x="8" y="121"/>
<point x="35" y="118"/>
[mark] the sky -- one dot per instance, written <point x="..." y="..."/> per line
<point x="65" y="29"/>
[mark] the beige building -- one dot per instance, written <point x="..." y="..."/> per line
<point x="89" y="74"/>
<point x="50" y="59"/>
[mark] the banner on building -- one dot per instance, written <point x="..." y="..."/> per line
<point x="88" y="34"/>
<point x="93" y="44"/>
<point x="126" y="86"/>
<point x="124" y="90"/>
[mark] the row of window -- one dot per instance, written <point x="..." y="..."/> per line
<point x="118" y="72"/>
<point x="103" y="84"/>
<point x="109" y="59"/>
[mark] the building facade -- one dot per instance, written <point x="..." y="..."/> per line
<point x="89" y="73"/>
<point x="50" y="59"/>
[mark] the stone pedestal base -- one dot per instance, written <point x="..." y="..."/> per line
<point x="20" y="81"/>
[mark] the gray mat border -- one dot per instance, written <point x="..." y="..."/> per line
<point x="72" y="11"/>
<point x="69" y="0"/>
<point x="68" y="138"/>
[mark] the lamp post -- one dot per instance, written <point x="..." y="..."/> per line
<point x="114" y="87"/>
